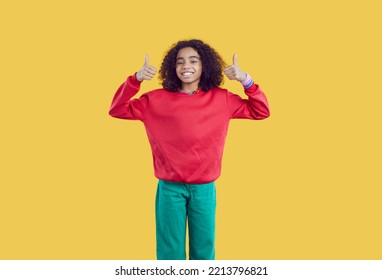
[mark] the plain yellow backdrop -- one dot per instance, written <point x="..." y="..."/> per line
<point x="303" y="184"/>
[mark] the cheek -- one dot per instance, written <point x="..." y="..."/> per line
<point x="178" y="68"/>
<point x="200" y="70"/>
<point x="178" y="73"/>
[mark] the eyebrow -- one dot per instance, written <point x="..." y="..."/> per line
<point x="193" y="56"/>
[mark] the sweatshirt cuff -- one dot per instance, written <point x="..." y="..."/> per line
<point x="134" y="80"/>
<point x="248" y="82"/>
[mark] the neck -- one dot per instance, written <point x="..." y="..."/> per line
<point x="187" y="90"/>
<point x="189" y="87"/>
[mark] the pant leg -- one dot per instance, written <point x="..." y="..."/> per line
<point x="201" y="221"/>
<point x="170" y="213"/>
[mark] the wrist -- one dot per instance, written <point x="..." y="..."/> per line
<point x="137" y="77"/>
<point x="243" y="77"/>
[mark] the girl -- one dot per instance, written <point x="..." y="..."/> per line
<point x="186" y="123"/>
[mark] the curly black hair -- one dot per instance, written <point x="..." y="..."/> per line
<point x="212" y="66"/>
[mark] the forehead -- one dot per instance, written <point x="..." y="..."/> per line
<point x="187" y="52"/>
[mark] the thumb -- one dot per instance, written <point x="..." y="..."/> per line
<point x="234" y="59"/>
<point x="146" y="60"/>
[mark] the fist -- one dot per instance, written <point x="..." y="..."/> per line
<point x="147" y="71"/>
<point x="233" y="72"/>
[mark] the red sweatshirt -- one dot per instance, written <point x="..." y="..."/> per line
<point x="187" y="132"/>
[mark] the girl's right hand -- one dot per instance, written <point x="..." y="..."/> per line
<point x="147" y="72"/>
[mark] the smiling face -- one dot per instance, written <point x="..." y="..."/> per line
<point x="188" y="68"/>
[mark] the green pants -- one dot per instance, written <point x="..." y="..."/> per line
<point x="177" y="202"/>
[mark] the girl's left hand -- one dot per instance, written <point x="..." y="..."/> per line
<point x="233" y="72"/>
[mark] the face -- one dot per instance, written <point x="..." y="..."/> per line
<point x="188" y="67"/>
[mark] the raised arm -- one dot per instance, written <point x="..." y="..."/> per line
<point x="256" y="106"/>
<point x="123" y="106"/>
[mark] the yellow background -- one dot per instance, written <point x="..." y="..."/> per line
<point x="78" y="184"/>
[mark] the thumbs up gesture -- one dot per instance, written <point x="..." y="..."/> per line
<point x="147" y="71"/>
<point x="233" y="72"/>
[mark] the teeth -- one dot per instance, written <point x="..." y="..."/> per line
<point x="187" y="73"/>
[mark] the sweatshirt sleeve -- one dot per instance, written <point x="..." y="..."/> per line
<point x="123" y="107"/>
<point x="254" y="108"/>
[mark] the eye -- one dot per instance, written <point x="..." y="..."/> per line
<point x="194" y="61"/>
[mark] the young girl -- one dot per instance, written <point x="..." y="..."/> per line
<point x="186" y="123"/>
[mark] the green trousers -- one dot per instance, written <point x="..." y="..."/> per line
<point x="177" y="203"/>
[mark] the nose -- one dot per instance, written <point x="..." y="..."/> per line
<point x="186" y="65"/>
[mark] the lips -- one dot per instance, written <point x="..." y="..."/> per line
<point x="187" y="74"/>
